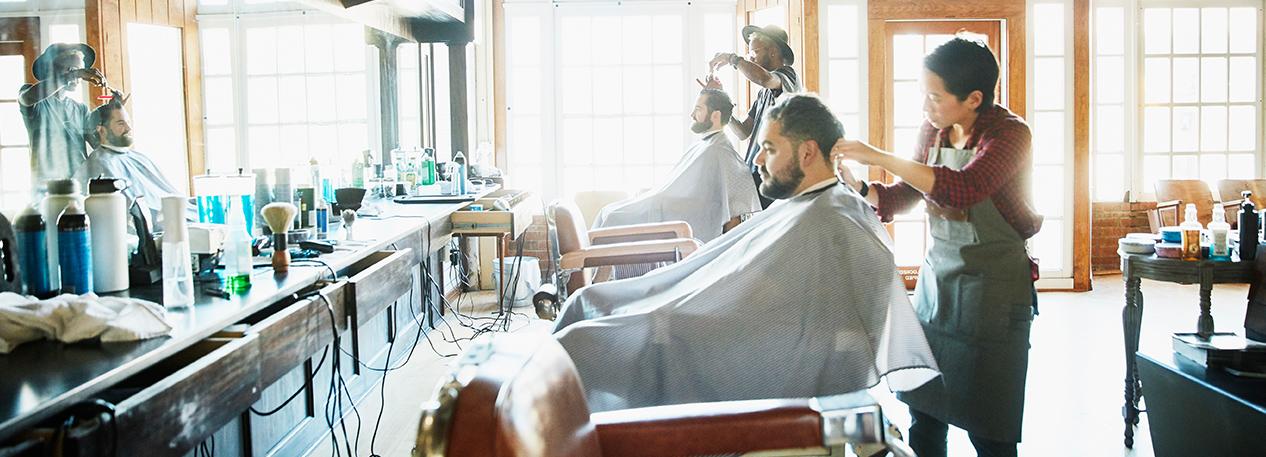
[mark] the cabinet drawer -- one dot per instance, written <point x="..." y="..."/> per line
<point x="187" y="397"/>
<point x="377" y="281"/>
<point x="289" y="337"/>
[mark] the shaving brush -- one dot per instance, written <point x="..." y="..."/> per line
<point x="349" y="217"/>
<point x="279" y="216"/>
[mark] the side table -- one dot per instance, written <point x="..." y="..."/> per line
<point x="1135" y="267"/>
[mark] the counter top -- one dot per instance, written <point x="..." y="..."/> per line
<point x="43" y="378"/>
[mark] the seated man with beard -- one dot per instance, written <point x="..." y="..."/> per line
<point x="801" y="300"/>
<point x="115" y="158"/>
<point x="710" y="188"/>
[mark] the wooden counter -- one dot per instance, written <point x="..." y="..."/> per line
<point x="203" y="378"/>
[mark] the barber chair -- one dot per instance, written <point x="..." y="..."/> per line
<point x="573" y="248"/>
<point x="518" y="395"/>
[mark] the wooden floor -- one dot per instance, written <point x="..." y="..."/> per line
<point x="1075" y="383"/>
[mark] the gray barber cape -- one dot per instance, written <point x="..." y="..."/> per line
<point x="142" y="174"/>
<point x="801" y="300"/>
<point x="707" y="188"/>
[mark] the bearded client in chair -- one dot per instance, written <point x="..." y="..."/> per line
<point x="801" y="300"/>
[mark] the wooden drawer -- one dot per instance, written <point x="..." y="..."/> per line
<point x="187" y="397"/>
<point x="376" y="281"/>
<point x="491" y="221"/>
<point x="292" y="335"/>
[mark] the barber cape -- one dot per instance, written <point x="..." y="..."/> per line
<point x="802" y="300"/>
<point x="143" y="176"/>
<point x="707" y="188"/>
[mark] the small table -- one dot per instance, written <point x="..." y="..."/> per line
<point x="1135" y="267"/>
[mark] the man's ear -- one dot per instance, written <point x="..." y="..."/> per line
<point x="808" y="150"/>
<point x="715" y="117"/>
<point x="101" y="131"/>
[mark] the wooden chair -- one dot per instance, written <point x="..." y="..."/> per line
<point x="574" y="247"/>
<point x="1231" y="189"/>
<point x="519" y="395"/>
<point x="1172" y="197"/>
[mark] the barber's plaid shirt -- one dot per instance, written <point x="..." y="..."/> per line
<point x="1002" y="169"/>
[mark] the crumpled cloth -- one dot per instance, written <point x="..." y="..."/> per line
<point x="70" y="318"/>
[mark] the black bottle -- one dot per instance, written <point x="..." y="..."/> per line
<point x="1248" y="228"/>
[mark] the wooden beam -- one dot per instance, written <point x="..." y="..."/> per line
<point x="1081" y="146"/>
<point x="499" y="85"/>
<point x="193" y="86"/>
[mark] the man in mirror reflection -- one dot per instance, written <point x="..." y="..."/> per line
<point x="768" y="65"/>
<point x="54" y="121"/>
<point x="110" y="126"/>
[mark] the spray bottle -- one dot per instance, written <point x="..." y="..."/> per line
<point x="238" y="261"/>
<point x="74" y="249"/>
<point x="177" y="265"/>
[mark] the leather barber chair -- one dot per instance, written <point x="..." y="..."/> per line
<point x="518" y="395"/>
<point x="573" y="248"/>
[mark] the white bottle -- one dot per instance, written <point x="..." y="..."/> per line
<point x="1219" y="228"/>
<point x="177" y="262"/>
<point x="238" y="261"/>
<point x="60" y="193"/>
<point x="107" y="209"/>
<point x="1190" y="234"/>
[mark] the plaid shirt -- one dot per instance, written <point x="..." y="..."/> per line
<point x="1002" y="169"/>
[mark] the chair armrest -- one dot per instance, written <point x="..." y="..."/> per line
<point x="1168" y="204"/>
<point x="629" y="253"/>
<point x="709" y="428"/>
<point x="640" y="232"/>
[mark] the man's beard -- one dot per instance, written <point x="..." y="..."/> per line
<point x="775" y="188"/>
<point x="119" y="141"/>
<point x="701" y="126"/>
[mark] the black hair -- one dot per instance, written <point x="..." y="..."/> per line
<point x="965" y="66"/>
<point x="804" y="117"/>
<point x="718" y="100"/>
<point x="99" y="117"/>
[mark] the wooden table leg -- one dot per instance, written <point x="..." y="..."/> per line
<point x="1204" y="326"/>
<point x="501" y="280"/>
<point x="1132" y="320"/>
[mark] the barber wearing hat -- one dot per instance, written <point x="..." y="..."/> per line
<point x="768" y="65"/>
<point x="54" y="121"/>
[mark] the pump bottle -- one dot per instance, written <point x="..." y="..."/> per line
<point x="1190" y="234"/>
<point x="1248" y="228"/>
<point x="1219" y="229"/>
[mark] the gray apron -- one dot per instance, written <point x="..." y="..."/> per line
<point x="975" y="301"/>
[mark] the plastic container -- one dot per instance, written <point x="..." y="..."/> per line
<point x="238" y="261"/>
<point x="74" y="249"/>
<point x="1190" y="234"/>
<point x="30" y="230"/>
<point x="1248" y="228"/>
<point x="1219" y="229"/>
<point x="107" y="209"/>
<point x="177" y="261"/>
<point x="518" y="290"/>
<point x="1136" y="245"/>
<point x="1171" y="235"/>
<point x="60" y="193"/>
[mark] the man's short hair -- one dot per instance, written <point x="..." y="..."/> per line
<point x="99" y="117"/>
<point x="718" y="100"/>
<point x="803" y="117"/>
<point x="965" y="65"/>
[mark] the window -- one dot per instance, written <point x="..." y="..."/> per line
<point x="599" y="96"/>
<point x="1050" y="119"/>
<point x="1198" y="110"/>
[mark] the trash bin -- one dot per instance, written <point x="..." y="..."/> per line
<point x="518" y="293"/>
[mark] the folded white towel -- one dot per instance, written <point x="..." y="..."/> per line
<point x="70" y="318"/>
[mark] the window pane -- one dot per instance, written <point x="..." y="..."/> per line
<point x="1186" y="80"/>
<point x="1242" y="123"/>
<point x="843" y="86"/>
<point x="667" y="39"/>
<point x="351" y="139"/>
<point x="611" y="77"/>
<point x="574" y="46"/>
<point x="1110" y="79"/>
<point x="218" y="104"/>
<point x="1213" y="30"/>
<point x="1155" y="168"/>
<point x="1156" y="27"/>
<point x="1212" y="168"/>
<point x="637" y="48"/>
<point x="1213" y="80"/>
<point x="1186" y="128"/>
<point x="1156" y="82"/>
<point x="1213" y="128"/>
<point x="293" y="98"/>
<point x="1240" y="166"/>
<point x="525" y="90"/>
<point x="1109" y="177"/>
<point x="610" y="178"/>
<point x="907" y="243"/>
<point x="639" y="146"/>
<point x="215" y="51"/>
<point x="576" y="179"/>
<point x="1243" y="30"/>
<point x="842" y="21"/>
<point x="16" y="174"/>
<point x="670" y="139"/>
<point x="524" y="41"/>
<point x="578" y="145"/>
<point x="1049" y="31"/>
<point x="289" y="41"/>
<point x="637" y="90"/>
<point x="1186" y="30"/>
<point x="904" y="141"/>
<point x="907" y="104"/>
<point x="1156" y="128"/>
<point x="718" y="34"/>
<point x="606" y="36"/>
<point x="299" y="150"/>
<point x="1048" y="138"/>
<point x="1049" y="75"/>
<point x="221" y="149"/>
<point x="640" y="177"/>
<point x="1110" y="123"/>
<point x="1048" y="246"/>
<point x="525" y="177"/>
<point x="12" y="128"/>
<point x="320" y="88"/>
<point x="907" y="57"/>
<point x="318" y="48"/>
<point x="1186" y="167"/>
<point x="351" y="96"/>
<point x="524" y="143"/>
<point x="264" y="148"/>
<point x="261" y="97"/>
<point x="668" y="86"/>
<point x="1242" y="79"/>
<point x="1048" y="190"/>
<point x="608" y="138"/>
<point x="577" y="98"/>
<point x="261" y="50"/>
<point x="349" y="47"/>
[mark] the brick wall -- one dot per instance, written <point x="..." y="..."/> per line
<point x="1111" y="221"/>
<point x="533" y="240"/>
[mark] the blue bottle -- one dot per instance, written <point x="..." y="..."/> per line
<point x="74" y="250"/>
<point x="33" y="253"/>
